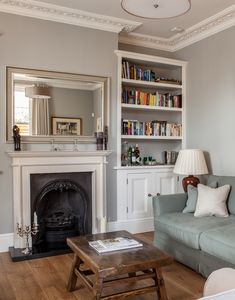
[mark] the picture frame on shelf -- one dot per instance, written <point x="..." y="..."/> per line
<point x="66" y="126"/>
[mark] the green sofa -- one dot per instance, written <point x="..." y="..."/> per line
<point x="204" y="244"/>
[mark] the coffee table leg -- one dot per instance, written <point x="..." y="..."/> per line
<point x="161" y="290"/>
<point x="72" y="276"/>
<point x="98" y="287"/>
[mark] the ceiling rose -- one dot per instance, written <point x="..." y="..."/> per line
<point x="156" y="9"/>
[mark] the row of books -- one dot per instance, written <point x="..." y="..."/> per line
<point x="152" y="128"/>
<point x="134" y="72"/>
<point x="153" y="99"/>
<point x="130" y="71"/>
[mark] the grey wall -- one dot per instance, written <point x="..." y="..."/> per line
<point x="70" y="103"/>
<point x="210" y="97"/>
<point x="39" y="44"/>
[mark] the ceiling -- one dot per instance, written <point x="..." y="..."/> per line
<point x="205" y="18"/>
<point x="200" y="10"/>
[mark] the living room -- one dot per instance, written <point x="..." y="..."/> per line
<point x="69" y="42"/>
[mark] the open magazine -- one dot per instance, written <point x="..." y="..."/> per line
<point x="118" y="243"/>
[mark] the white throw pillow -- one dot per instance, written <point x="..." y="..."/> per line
<point x="212" y="202"/>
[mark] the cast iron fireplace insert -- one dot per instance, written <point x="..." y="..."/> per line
<point x="63" y="204"/>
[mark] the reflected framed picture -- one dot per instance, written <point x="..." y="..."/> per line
<point x="66" y="126"/>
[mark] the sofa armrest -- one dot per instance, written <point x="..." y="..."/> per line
<point x="169" y="203"/>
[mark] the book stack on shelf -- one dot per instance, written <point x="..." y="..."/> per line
<point x="130" y="71"/>
<point x="153" y="128"/>
<point x="137" y="97"/>
<point x="135" y="72"/>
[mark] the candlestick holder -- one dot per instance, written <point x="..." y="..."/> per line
<point x="27" y="231"/>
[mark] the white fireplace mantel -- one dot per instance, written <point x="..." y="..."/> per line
<point x="25" y="163"/>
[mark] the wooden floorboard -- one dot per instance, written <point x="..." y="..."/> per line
<point x="46" y="278"/>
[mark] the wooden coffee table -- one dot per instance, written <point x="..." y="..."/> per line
<point x="100" y="271"/>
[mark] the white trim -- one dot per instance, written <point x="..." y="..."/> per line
<point x="145" y="40"/>
<point x="212" y="25"/>
<point x="150" y="58"/>
<point x="61" y="14"/>
<point x="6" y="241"/>
<point x="133" y="226"/>
<point x="27" y="154"/>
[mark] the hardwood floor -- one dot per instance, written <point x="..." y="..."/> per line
<point x="46" y="278"/>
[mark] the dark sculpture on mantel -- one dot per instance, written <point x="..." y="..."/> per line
<point x="17" y="138"/>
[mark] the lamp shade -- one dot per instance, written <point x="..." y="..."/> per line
<point x="37" y="91"/>
<point x="191" y="162"/>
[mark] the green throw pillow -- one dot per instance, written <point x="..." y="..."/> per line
<point x="192" y="197"/>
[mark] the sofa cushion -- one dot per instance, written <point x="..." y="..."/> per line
<point x="186" y="228"/>
<point x="212" y="202"/>
<point x="222" y="180"/>
<point x="192" y="197"/>
<point x="219" y="242"/>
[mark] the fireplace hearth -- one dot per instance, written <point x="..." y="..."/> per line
<point x="63" y="205"/>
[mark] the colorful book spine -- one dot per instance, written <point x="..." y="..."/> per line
<point x="152" y="128"/>
<point x="138" y="97"/>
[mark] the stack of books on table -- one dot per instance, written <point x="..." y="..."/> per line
<point x="119" y="243"/>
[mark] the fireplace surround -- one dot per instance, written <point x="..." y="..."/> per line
<point x="26" y="164"/>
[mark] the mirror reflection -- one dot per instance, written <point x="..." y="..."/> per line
<point x="55" y="104"/>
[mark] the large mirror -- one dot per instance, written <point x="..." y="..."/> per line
<point x="52" y="105"/>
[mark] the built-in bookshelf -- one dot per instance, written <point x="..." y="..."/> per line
<point x="151" y="104"/>
<point x="151" y="113"/>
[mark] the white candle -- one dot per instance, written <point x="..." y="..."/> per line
<point x="35" y="218"/>
<point x="19" y="222"/>
<point x="103" y="225"/>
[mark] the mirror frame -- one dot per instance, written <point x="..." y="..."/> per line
<point x="57" y="75"/>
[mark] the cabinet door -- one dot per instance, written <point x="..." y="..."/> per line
<point x="164" y="183"/>
<point x="139" y="201"/>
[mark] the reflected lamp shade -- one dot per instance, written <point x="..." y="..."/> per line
<point x="156" y="9"/>
<point x="37" y="92"/>
<point x="190" y="162"/>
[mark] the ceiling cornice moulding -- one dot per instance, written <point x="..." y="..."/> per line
<point x="61" y="14"/>
<point x="219" y="22"/>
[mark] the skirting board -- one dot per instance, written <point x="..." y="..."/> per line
<point x="6" y="241"/>
<point x="133" y="226"/>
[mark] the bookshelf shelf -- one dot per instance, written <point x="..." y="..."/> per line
<point x="147" y="137"/>
<point x="149" y="84"/>
<point x="150" y="107"/>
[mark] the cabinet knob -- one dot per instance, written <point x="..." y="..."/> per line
<point x="150" y="195"/>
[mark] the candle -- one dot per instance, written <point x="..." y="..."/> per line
<point x="19" y="221"/>
<point x="35" y="218"/>
<point x="103" y="223"/>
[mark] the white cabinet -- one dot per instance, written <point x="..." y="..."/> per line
<point x="164" y="183"/>
<point x="135" y="188"/>
<point x="139" y="190"/>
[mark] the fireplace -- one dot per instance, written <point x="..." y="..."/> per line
<point x="42" y="166"/>
<point x="63" y="206"/>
